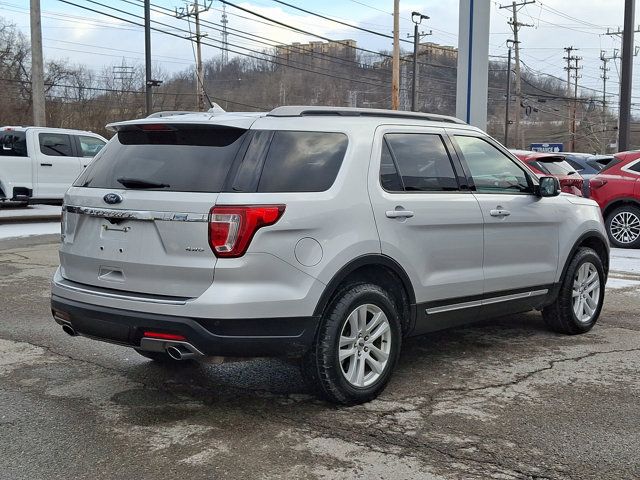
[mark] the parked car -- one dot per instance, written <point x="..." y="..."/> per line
<point x="553" y="164"/>
<point x="617" y="190"/>
<point x="40" y="164"/>
<point x="324" y="234"/>
<point x="586" y="164"/>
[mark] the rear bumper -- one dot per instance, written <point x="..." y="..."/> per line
<point x="252" y="337"/>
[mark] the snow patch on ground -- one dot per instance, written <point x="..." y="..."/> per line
<point x="31" y="211"/>
<point x="16" y="230"/>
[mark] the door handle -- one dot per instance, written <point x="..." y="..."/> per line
<point x="399" y="213"/>
<point x="499" y="212"/>
<point x="46" y="164"/>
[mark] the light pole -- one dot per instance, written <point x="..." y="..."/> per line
<point x="416" y="18"/>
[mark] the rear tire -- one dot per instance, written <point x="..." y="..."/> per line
<point x="357" y="346"/>
<point x="623" y="227"/>
<point x="579" y="302"/>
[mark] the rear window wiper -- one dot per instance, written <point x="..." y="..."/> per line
<point x="140" y="183"/>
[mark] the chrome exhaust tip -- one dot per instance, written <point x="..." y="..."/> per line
<point x="69" y="330"/>
<point x="178" y="352"/>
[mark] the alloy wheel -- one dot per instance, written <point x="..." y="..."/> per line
<point x="586" y="292"/>
<point x="625" y="227"/>
<point x="365" y="345"/>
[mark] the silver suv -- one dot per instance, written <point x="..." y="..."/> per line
<point x="322" y="234"/>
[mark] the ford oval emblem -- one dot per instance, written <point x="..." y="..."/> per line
<point x="112" y="198"/>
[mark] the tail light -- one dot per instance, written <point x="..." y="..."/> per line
<point x="232" y="227"/>
<point x="597" y="183"/>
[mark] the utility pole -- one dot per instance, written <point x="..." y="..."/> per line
<point x="506" y="107"/>
<point x="225" y="35"/>
<point x="194" y="10"/>
<point x="572" y="108"/>
<point x="147" y="57"/>
<point x="605" y="59"/>
<point x="416" y="18"/>
<point x="515" y="27"/>
<point x="395" y="63"/>
<point x="624" y="130"/>
<point x="37" y="67"/>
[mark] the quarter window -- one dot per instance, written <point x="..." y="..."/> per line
<point x="635" y="167"/>
<point x="422" y="162"/>
<point x="89" y="146"/>
<point x="302" y="161"/>
<point x="55" y="144"/>
<point x="492" y="171"/>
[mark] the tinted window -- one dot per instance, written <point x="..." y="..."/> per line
<point x="491" y="170"/>
<point x="89" y="146"/>
<point x="55" y="144"/>
<point x="423" y="162"/>
<point x="248" y="173"/>
<point x="389" y="178"/>
<point x="557" y="168"/>
<point x="191" y="159"/>
<point x="575" y="165"/>
<point x="302" y="161"/>
<point x="13" y="144"/>
<point x="635" y="167"/>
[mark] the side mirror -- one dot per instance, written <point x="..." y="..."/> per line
<point x="548" y="187"/>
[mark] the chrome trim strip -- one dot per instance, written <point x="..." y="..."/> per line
<point x="118" y="296"/>
<point x="455" y="306"/>
<point x="487" y="301"/>
<point x="144" y="215"/>
<point x="515" y="296"/>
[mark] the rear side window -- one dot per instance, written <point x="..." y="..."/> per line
<point x="194" y="158"/>
<point x="90" y="146"/>
<point x="575" y="165"/>
<point x="635" y="167"/>
<point x="55" y="144"/>
<point x="13" y="144"/>
<point x="423" y="162"/>
<point x="302" y="161"/>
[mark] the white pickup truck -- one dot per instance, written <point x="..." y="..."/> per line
<point x="39" y="164"/>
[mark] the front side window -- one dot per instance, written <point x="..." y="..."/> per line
<point x="13" y="144"/>
<point x="55" y="144"/>
<point x="492" y="171"/>
<point x="89" y="146"/>
<point x="422" y="162"/>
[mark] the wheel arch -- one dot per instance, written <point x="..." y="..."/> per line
<point x="380" y="270"/>
<point x="618" y="202"/>
<point x="594" y="240"/>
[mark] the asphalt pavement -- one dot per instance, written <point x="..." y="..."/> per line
<point x="504" y="399"/>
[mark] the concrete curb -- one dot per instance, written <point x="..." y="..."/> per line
<point x="31" y="218"/>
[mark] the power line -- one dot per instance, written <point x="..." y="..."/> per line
<point x="373" y="32"/>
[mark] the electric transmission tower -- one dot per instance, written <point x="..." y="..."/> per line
<point x="225" y="35"/>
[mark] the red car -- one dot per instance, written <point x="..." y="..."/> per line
<point x="553" y="164"/>
<point x="617" y="190"/>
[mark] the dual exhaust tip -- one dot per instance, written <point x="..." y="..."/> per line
<point x="179" y="352"/>
<point x="175" y="351"/>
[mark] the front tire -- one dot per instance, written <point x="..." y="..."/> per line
<point x="357" y="346"/>
<point x="579" y="302"/>
<point x="623" y="227"/>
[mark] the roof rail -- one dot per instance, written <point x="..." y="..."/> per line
<point x="302" y="111"/>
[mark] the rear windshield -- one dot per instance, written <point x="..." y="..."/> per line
<point x="194" y="158"/>
<point x="13" y="143"/>
<point x="556" y="168"/>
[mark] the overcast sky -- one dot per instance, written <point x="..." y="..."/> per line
<point x="85" y="37"/>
